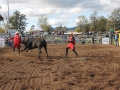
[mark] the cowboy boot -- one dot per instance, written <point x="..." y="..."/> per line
<point x="76" y="53"/>
<point x="19" y="50"/>
<point x="13" y="49"/>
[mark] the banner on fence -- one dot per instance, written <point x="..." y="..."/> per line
<point x="2" y="42"/>
<point x="105" y="40"/>
<point x="119" y="39"/>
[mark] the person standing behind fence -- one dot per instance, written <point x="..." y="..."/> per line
<point x="16" y="42"/>
<point x="100" y="39"/>
<point x="93" y="39"/>
<point x="6" y="41"/>
<point x="116" y="39"/>
<point x="71" y="45"/>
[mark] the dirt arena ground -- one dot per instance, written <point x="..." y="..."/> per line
<point x="98" y="68"/>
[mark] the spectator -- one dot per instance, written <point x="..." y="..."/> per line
<point x="100" y="39"/>
<point x="6" y="41"/>
<point x="93" y="39"/>
<point x="107" y="35"/>
<point x="116" y="39"/>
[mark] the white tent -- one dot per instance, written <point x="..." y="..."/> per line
<point x="37" y="29"/>
<point x="73" y="33"/>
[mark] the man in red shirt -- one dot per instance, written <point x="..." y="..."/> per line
<point x="17" y="41"/>
<point x="71" y="45"/>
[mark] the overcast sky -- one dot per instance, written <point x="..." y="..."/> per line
<point x="64" y="12"/>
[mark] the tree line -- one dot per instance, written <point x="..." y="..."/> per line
<point x="94" y="23"/>
<point x="99" y="23"/>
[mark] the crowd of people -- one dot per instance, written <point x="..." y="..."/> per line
<point x="8" y="42"/>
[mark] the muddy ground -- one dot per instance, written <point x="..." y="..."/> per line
<point x="98" y="68"/>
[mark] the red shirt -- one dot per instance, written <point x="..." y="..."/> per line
<point x="72" y="40"/>
<point x="17" y="41"/>
<point x="72" y="43"/>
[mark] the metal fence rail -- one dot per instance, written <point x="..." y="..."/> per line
<point x="61" y="39"/>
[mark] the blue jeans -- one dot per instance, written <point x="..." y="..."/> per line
<point x="117" y="42"/>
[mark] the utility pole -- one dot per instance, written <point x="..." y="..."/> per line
<point x="8" y="16"/>
<point x="1" y="17"/>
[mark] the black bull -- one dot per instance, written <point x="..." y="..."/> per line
<point x="32" y="43"/>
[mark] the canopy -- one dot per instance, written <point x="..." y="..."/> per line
<point x="73" y="33"/>
<point x="37" y="29"/>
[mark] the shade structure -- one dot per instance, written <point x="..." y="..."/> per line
<point x="37" y="29"/>
<point x="73" y="33"/>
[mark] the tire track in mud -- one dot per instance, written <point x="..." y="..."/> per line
<point x="47" y="81"/>
<point x="41" y="79"/>
<point x="6" y="66"/>
<point x="8" y="69"/>
<point x="23" y="77"/>
<point x="62" y="70"/>
<point x="14" y="73"/>
<point x="11" y="75"/>
<point x="97" y="65"/>
<point x="66" y="61"/>
<point x="49" y="75"/>
<point x="33" y="76"/>
<point x="27" y="83"/>
<point x="36" y="79"/>
<point x="106" y="66"/>
<point x="112" y="66"/>
<point x="46" y="77"/>
<point x="26" y="78"/>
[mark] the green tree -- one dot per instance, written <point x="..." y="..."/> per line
<point x="86" y="27"/>
<point x="2" y="30"/>
<point x="5" y="22"/>
<point x="82" y="21"/>
<point x="43" y="23"/>
<point x="59" y="28"/>
<point x="46" y="28"/>
<point x="91" y="28"/>
<point x="18" y="21"/>
<point x="64" y="29"/>
<point x="1" y="18"/>
<point x="115" y="18"/>
<point x="78" y="29"/>
<point x="109" y="25"/>
<point x="94" y="19"/>
<point x="101" y="23"/>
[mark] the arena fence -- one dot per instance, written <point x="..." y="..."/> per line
<point x="61" y="39"/>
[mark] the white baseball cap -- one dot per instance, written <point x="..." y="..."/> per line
<point x="17" y="32"/>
